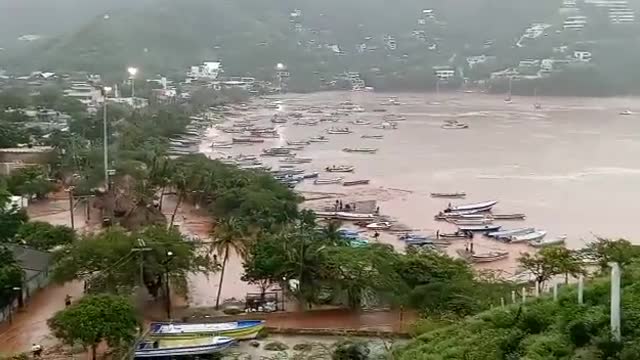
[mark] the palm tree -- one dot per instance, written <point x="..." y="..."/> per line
<point x="228" y="235"/>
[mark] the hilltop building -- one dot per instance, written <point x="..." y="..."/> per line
<point x="577" y="22"/>
<point x="209" y="70"/>
<point x="444" y="73"/>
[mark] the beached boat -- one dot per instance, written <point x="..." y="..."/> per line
<point x="409" y="236"/>
<point x="626" y="112"/>
<point x="482" y="206"/>
<point x="454" y="126"/>
<point x="393" y="117"/>
<point x="340" y="168"/>
<point x="489" y="256"/>
<point x="458" y="194"/>
<point x="508" y="216"/>
<point x="347" y="216"/>
<point x="277" y="151"/>
<point x="360" y="122"/>
<point x="339" y="131"/>
<point x="480" y="221"/>
<point x="361" y="150"/>
<point x="169" y="348"/>
<point x="479" y="228"/>
<point x="455" y="235"/>
<point x="532" y="236"/>
<point x="278" y="120"/>
<point x="246" y="140"/>
<point x="506" y="234"/>
<point x="239" y="330"/>
<point x="548" y="242"/>
<point x="318" y="139"/>
<point x="372" y="136"/>
<point x="295" y="160"/>
<point x="312" y="175"/>
<point x="383" y="225"/>
<point x="355" y="182"/>
<point x="386" y="125"/>
<point x="221" y="146"/>
<point x="327" y="181"/>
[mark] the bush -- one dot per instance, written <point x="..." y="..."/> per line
<point x="351" y="350"/>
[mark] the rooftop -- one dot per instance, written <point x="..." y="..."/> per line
<point x="26" y="150"/>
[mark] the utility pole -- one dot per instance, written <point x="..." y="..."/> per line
<point x="615" y="301"/>
<point x="70" y="191"/>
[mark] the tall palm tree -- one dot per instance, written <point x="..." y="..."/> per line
<point x="229" y="234"/>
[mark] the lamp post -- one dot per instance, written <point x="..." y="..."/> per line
<point x="132" y="77"/>
<point x="166" y="282"/>
<point x="105" y="93"/>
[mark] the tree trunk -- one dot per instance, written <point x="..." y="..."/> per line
<point x="566" y="278"/>
<point x="161" y="199"/>
<point x="175" y="210"/>
<point x="224" y="265"/>
<point x="93" y="351"/>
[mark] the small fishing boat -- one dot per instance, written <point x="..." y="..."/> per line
<point x="455" y="126"/>
<point x="532" y="236"/>
<point x="327" y="181"/>
<point x="355" y="182"/>
<point x="383" y="225"/>
<point x="339" y="131"/>
<point x="455" y="235"/>
<point x="299" y="142"/>
<point x="508" y="216"/>
<point x="277" y="151"/>
<point x="459" y="194"/>
<point x="372" y="136"/>
<point x="481" y="221"/>
<point x="312" y="175"/>
<point x="489" y="256"/>
<point x="278" y="120"/>
<point x="482" y="206"/>
<point x="394" y="117"/>
<point x="379" y="110"/>
<point x="360" y="122"/>
<point x="386" y="125"/>
<point x="479" y="228"/>
<point x="169" y="348"/>
<point x="360" y="150"/>
<point x="239" y="330"/>
<point x="340" y="168"/>
<point x="549" y="242"/>
<point x="506" y="234"/>
<point x="626" y="112"/>
<point x="352" y="216"/>
<point x="318" y="139"/>
<point x="221" y="146"/>
<point x="246" y="140"/>
<point x="409" y="236"/>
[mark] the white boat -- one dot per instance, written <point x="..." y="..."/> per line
<point x="508" y="233"/>
<point x="549" y="242"/>
<point x="478" y="228"/>
<point x="167" y="347"/>
<point x="626" y="112"/>
<point x="482" y="206"/>
<point x="360" y="122"/>
<point x="327" y="181"/>
<point x="379" y="225"/>
<point x="454" y="126"/>
<point x="299" y="142"/>
<point x="340" y="168"/>
<point x="372" y="136"/>
<point x="489" y="256"/>
<point x="347" y="216"/>
<point x="361" y="150"/>
<point x="386" y="125"/>
<point x="532" y="236"/>
<point x="295" y="160"/>
<point x="318" y="139"/>
<point x="339" y="131"/>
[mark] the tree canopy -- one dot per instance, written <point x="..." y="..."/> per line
<point x="96" y="318"/>
<point x="44" y="236"/>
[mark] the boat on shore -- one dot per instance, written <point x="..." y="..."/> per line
<point x="532" y="236"/>
<point x="506" y="234"/>
<point x="454" y="126"/>
<point x="549" y="242"/>
<point x="347" y="216"/>
<point x="386" y="125"/>
<point x="482" y="206"/>
<point x="295" y="160"/>
<point x="490" y="256"/>
<point x="299" y="142"/>
<point x="458" y="235"/>
<point x="360" y="122"/>
<point x="361" y="150"/>
<point x="508" y="216"/>
<point x="459" y="194"/>
<point x="372" y="136"/>
<point x="355" y="182"/>
<point x="479" y="228"/>
<point x="169" y="348"/>
<point x="481" y="221"/>
<point x="327" y="181"/>
<point x="239" y="330"/>
<point x="626" y="112"/>
<point x="393" y="117"/>
<point x="383" y="225"/>
<point x="340" y="168"/>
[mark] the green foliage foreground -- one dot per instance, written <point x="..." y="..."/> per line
<point x="543" y="329"/>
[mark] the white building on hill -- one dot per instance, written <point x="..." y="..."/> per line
<point x="577" y="22"/>
<point x="209" y="70"/>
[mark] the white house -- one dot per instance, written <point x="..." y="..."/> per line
<point x="546" y="64"/>
<point x="504" y="74"/>
<point x="444" y="72"/>
<point x="209" y="70"/>
<point x="529" y="63"/>
<point x="85" y="93"/>
<point x="472" y="61"/>
<point x="584" y="56"/>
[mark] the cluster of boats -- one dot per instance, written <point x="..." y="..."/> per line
<point x="169" y="340"/>
<point x="189" y="141"/>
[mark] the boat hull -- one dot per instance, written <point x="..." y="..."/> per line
<point x="245" y="330"/>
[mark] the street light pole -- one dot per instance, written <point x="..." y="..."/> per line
<point x="105" y="94"/>
<point x="132" y="76"/>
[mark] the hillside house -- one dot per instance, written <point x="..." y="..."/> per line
<point x="209" y="70"/>
<point x="444" y="73"/>
<point x="583" y="56"/>
<point x="577" y="22"/>
<point x="86" y="93"/>
<point x="12" y="159"/>
<point x="473" y="61"/>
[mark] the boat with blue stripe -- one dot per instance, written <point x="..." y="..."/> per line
<point x="170" y="347"/>
<point x="239" y="330"/>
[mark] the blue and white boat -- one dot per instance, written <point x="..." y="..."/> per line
<point x="170" y="347"/>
